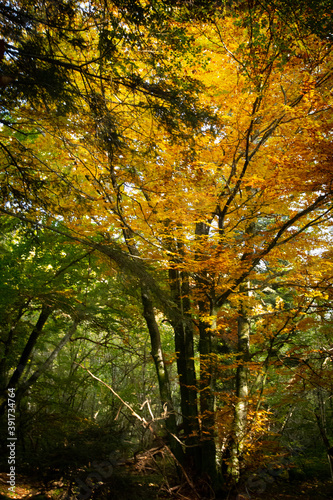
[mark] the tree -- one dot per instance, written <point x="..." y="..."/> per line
<point x="201" y="206"/>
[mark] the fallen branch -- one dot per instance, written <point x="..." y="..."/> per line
<point x="142" y="419"/>
<point x="145" y="424"/>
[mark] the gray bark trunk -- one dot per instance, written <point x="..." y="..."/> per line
<point x="42" y="369"/>
<point x="241" y="406"/>
<point x="162" y="374"/>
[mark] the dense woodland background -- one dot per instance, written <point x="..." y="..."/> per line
<point x="166" y="247"/>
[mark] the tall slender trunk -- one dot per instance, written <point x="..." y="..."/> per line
<point x="37" y="330"/>
<point x="242" y="389"/>
<point x="8" y="345"/>
<point x="207" y="351"/>
<point x="42" y="369"/>
<point x="162" y="374"/>
<point x="207" y="397"/>
<point x="321" y="421"/>
<point x="183" y="329"/>
<point x="241" y="406"/>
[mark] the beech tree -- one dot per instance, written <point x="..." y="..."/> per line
<point x="202" y="170"/>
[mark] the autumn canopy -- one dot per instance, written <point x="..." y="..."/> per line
<point x="188" y="146"/>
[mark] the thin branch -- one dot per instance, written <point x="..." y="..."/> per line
<point x="144" y="423"/>
<point x="141" y="419"/>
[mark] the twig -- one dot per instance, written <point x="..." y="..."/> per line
<point x="149" y="409"/>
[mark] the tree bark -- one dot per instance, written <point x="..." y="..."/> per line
<point x="42" y="369"/>
<point x="207" y="398"/>
<point x="8" y="344"/>
<point x="162" y="374"/>
<point x="241" y="406"/>
<point x="43" y="317"/>
<point x="320" y="418"/>
<point x="183" y="329"/>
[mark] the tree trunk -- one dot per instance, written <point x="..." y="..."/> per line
<point x="156" y="347"/>
<point x="320" y="417"/>
<point x="162" y="374"/>
<point x="207" y="397"/>
<point x="42" y="369"/>
<point x="43" y="317"/>
<point x="241" y="406"/>
<point x="183" y="329"/>
<point x="8" y="344"/>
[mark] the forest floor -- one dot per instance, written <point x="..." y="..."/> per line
<point x="305" y="490"/>
<point x="144" y="488"/>
<point x="130" y="483"/>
